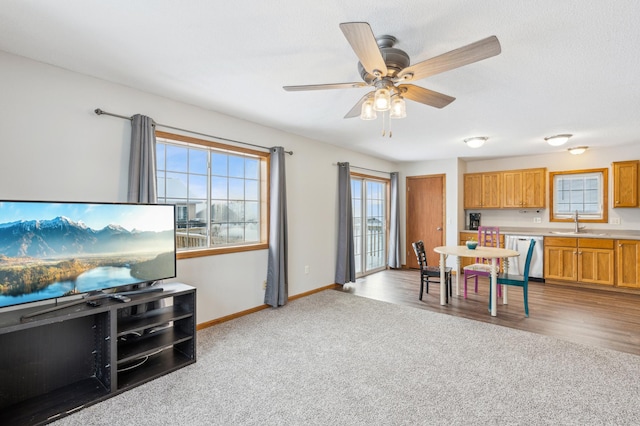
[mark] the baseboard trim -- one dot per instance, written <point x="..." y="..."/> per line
<point x="220" y="320"/>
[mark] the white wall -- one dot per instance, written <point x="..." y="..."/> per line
<point x="55" y="148"/>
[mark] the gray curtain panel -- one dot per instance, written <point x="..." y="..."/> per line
<point x="142" y="161"/>
<point x="394" y="224"/>
<point x="277" y="290"/>
<point x="346" y="263"/>
<point x="142" y="180"/>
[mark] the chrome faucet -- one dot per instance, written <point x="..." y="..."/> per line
<point x="575" y="219"/>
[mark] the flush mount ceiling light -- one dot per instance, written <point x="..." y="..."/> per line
<point x="577" y="150"/>
<point x="558" y="140"/>
<point x="476" y="142"/>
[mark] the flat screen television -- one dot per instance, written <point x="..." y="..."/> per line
<point x="54" y="249"/>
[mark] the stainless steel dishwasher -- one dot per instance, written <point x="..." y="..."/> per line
<point x="521" y="243"/>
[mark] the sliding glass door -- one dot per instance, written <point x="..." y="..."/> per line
<point x="369" y="202"/>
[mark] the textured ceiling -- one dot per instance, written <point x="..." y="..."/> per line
<point x="566" y="66"/>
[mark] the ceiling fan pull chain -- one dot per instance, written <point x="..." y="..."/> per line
<point x="390" y="133"/>
<point x="383" y="131"/>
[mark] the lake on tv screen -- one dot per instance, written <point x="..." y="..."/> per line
<point x="94" y="279"/>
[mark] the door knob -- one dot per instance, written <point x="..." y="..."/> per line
<point x="439" y="228"/>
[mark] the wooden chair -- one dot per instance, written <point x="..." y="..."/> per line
<point x="488" y="236"/>
<point x="518" y="280"/>
<point x="430" y="273"/>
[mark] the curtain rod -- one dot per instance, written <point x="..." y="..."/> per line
<point x="363" y="168"/>
<point x="98" y="111"/>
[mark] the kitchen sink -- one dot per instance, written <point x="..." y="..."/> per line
<point x="583" y="233"/>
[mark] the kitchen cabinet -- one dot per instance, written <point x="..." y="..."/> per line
<point x="585" y="260"/>
<point x="560" y="259"/>
<point x="595" y="261"/>
<point x="524" y="188"/>
<point x="482" y="190"/>
<point x="628" y="263"/>
<point x="625" y="183"/>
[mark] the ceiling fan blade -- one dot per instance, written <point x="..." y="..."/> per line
<point x="357" y="108"/>
<point x="465" y="55"/>
<point x="363" y="42"/>
<point x="425" y="96"/>
<point x="324" y="86"/>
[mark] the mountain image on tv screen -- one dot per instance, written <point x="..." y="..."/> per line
<point x="50" y="250"/>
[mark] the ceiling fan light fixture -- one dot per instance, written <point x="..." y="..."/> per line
<point x="398" y="108"/>
<point x="476" y="142"/>
<point x="382" y="99"/>
<point x="577" y="150"/>
<point x="367" y="112"/>
<point x="558" y="140"/>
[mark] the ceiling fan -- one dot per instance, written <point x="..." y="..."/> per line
<point x="388" y="69"/>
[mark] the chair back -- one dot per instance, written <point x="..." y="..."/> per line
<point x="488" y="236"/>
<point x="527" y="262"/>
<point x="418" y="248"/>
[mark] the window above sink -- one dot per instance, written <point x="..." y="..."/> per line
<point x="581" y="191"/>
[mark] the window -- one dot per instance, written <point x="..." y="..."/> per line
<point x="369" y="209"/>
<point x="582" y="191"/>
<point x="220" y="194"/>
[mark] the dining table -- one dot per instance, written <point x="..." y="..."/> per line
<point x="493" y="253"/>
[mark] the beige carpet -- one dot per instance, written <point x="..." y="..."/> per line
<point x="337" y="359"/>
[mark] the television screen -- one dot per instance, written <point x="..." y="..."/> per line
<point x="55" y="249"/>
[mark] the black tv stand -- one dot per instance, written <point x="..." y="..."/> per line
<point x="65" y="359"/>
<point x="92" y="299"/>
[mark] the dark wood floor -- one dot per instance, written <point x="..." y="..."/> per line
<point x="588" y="316"/>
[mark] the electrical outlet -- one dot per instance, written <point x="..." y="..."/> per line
<point x="306" y="269"/>
<point x="537" y="220"/>
<point x="615" y="221"/>
<point x="264" y="284"/>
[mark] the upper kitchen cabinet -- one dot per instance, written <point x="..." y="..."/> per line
<point x="524" y="188"/>
<point x="482" y="190"/>
<point x="625" y="183"/>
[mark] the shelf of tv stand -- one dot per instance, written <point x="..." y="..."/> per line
<point x="47" y="406"/>
<point x="59" y="362"/>
<point x="147" y="344"/>
<point x="155" y="318"/>
<point x="155" y="366"/>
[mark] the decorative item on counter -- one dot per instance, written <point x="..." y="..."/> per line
<point x="471" y="245"/>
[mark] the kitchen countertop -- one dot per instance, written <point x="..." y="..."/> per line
<point x="619" y="234"/>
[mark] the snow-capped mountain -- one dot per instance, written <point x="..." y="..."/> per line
<point x="63" y="236"/>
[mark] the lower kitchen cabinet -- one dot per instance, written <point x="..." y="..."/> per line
<point x="560" y="259"/>
<point x="628" y="263"/>
<point x="596" y="261"/>
<point x="585" y="260"/>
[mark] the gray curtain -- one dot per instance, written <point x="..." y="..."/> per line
<point x="345" y="264"/>
<point x="142" y="180"/>
<point x="277" y="290"/>
<point x="142" y="161"/>
<point x="394" y="224"/>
